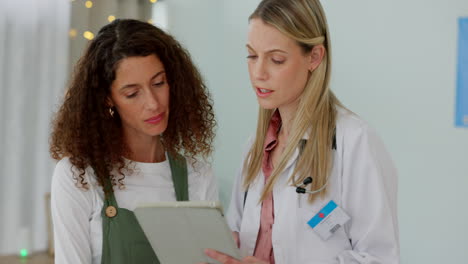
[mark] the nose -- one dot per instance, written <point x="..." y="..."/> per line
<point x="258" y="70"/>
<point x="151" y="101"/>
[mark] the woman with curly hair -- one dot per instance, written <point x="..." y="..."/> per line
<point x="133" y="126"/>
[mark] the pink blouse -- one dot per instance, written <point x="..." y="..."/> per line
<point x="264" y="248"/>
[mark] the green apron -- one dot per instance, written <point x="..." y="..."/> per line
<point x="123" y="241"/>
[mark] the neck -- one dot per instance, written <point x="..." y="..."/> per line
<point x="287" y="114"/>
<point x="146" y="149"/>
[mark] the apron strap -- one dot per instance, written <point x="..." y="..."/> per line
<point x="110" y="198"/>
<point x="124" y="241"/>
<point x="179" y="177"/>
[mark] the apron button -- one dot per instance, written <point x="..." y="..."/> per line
<point x="111" y="211"/>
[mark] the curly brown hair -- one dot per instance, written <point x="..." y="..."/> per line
<point x="85" y="132"/>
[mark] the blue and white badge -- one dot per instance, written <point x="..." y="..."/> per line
<point x="330" y="218"/>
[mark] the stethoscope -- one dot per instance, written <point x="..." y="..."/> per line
<point x="300" y="189"/>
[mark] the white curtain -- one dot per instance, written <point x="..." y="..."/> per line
<point x="33" y="72"/>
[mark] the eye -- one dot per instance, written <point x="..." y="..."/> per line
<point x="131" y="95"/>
<point x="252" y="57"/>
<point x="159" y="83"/>
<point x="277" y="61"/>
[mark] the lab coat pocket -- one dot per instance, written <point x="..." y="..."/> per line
<point x="305" y="212"/>
<point x="311" y="248"/>
<point x="308" y="243"/>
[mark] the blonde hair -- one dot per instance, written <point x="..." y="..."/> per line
<point x="303" y="21"/>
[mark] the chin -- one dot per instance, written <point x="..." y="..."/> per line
<point x="155" y="134"/>
<point x="267" y="105"/>
<point x="156" y="131"/>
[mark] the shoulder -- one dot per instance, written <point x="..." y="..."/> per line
<point x="350" y="128"/>
<point x="202" y="182"/>
<point x="348" y="122"/>
<point x="64" y="165"/>
<point x="67" y="175"/>
<point x="200" y="172"/>
<point x="64" y="172"/>
<point x="357" y="140"/>
<point x="198" y="166"/>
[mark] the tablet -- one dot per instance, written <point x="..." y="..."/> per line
<point x="179" y="232"/>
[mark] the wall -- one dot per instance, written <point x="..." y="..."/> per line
<point x="395" y="65"/>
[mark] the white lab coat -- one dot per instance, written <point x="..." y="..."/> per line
<point x="363" y="183"/>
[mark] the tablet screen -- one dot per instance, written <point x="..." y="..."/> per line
<point x="179" y="232"/>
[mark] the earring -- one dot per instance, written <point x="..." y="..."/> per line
<point x="111" y="112"/>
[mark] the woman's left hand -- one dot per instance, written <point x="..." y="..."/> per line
<point x="226" y="259"/>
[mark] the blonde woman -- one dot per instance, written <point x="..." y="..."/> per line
<point x="345" y="209"/>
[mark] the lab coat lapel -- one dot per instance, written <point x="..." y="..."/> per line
<point x="251" y="217"/>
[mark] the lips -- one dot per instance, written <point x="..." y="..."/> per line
<point x="155" y="119"/>
<point x="262" y="92"/>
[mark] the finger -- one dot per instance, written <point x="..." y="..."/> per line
<point x="253" y="260"/>
<point x="236" y="238"/>
<point x="221" y="257"/>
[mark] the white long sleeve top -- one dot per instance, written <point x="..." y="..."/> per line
<point x="76" y="212"/>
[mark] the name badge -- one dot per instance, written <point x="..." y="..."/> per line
<point x="330" y="218"/>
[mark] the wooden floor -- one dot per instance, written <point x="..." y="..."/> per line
<point x="39" y="258"/>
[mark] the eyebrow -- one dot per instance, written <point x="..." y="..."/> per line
<point x="268" y="51"/>
<point x="131" y="85"/>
